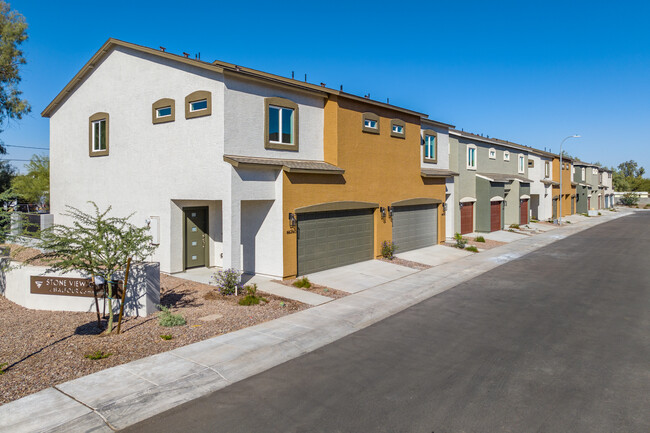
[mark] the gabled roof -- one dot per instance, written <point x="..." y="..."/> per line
<point x="216" y="66"/>
<point x="289" y="165"/>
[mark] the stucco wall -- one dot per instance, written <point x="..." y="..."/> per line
<point x="537" y="188"/>
<point x="148" y="165"/>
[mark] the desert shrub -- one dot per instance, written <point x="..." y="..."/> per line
<point x="644" y="207"/>
<point x="166" y="337"/>
<point x="228" y="281"/>
<point x="630" y="199"/>
<point x="388" y="250"/>
<point x="472" y="248"/>
<point x="480" y="239"/>
<point x="460" y="242"/>
<point x="302" y="283"/>
<point x="2" y="368"/>
<point x="514" y="226"/>
<point x="167" y="318"/>
<point x="251" y="297"/>
<point x="567" y="222"/>
<point x="98" y="354"/>
<point x="599" y="213"/>
<point x="533" y="220"/>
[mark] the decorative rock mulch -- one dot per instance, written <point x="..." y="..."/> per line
<point x="45" y="348"/>
<point x="315" y="288"/>
<point x="406" y="263"/>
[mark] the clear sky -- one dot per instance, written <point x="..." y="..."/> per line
<point x="531" y="72"/>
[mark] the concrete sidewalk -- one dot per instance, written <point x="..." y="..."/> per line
<point x="141" y="389"/>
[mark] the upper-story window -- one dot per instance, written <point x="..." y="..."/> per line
<point x="547" y="169"/>
<point x="370" y="123"/>
<point x="506" y="156"/>
<point x="281" y="124"/>
<point x="163" y="111"/>
<point x="573" y="170"/>
<point x="522" y="164"/>
<point x="430" y="146"/>
<point x="98" y="134"/>
<point x="531" y="163"/>
<point x="594" y="171"/>
<point x="492" y="153"/>
<point x="397" y="128"/>
<point x="471" y="157"/>
<point x="198" y="104"/>
<point x="583" y="173"/>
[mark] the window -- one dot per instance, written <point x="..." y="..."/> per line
<point x="163" y="111"/>
<point x="370" y="123"/>
<point x="430" y="146"/>
<point x="522" y="164"/>
<point x="471" y="157"/>
<point x="397" y="128"/>
<point x="547" y="169"/>
<point x="573" y="170"/>
<point x="98" y="134"/>
<point x="281" y="124"/>
<point x="594" y="171"/>
<point x="531" y="163"/>
<point x="583" y="173"/>
<point x="492" y="153"/>
<point x="506" y="156"/>
<point x="198" y="104"/>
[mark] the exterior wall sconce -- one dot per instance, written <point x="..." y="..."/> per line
<point x="292" y="220"/>
<point x="382" y="211"/>
<point x="390" y="211"/>
<point x="444" y="207"/>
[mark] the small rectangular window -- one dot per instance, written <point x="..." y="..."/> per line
<point x="430" y="146"/>
<point x="531" y="163"/>
<point x="398" y="129"/>
<point x="163" y="112"/>
<point x="199" y="105"/>
<point x="471" y="157"/>
<point x="280" y="125"/>
<point x="506" y="156"/>
<point x="522" y="162"/>
<point x="492" y="154"/>
<point x="547" y="169"/>
<point x="99" y="135"/>
<point x="370" y="123"/>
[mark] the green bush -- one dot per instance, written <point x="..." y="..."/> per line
<point x="599" y="213"/>
<point x="388" y="250"/>
<point x="301" y="283"/>
<point x="228" y="281"/>
<point x="630" y="199"/>
<point x="251" y="297"/>
<point x="99" y="354"/>
<point x="166" y="337"/>
<point x="472" y="248"/>
<point x="514" y="226"/>
<point x="460" y="242"/>
<point x="167" y="319"/>
<point x="2" y="368"/>
<point x="480" y="239"/>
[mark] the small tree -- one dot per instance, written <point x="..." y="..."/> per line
<point x="96" y="244"/>
<point x="34" y="187"/>
<point x="630" y="199"/>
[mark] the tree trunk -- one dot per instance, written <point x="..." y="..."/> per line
<point x="109" y="326"/>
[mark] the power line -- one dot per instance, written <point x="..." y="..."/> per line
<point x="26" y="147"/>
<point x="22" y="160"/>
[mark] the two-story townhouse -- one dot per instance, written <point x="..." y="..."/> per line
<point x="238" y="168"/>
<point x="608" y="188"/>
<point x="540" y="172"/>
<point x="582" y="188"/>
<point x="492" y="189"/>
<point x="564" y="199"/>
<point x="593" y="187"/>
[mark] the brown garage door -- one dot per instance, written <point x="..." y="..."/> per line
<point x="495" y="216"/>
<point x="466" y="218"/>
<point x="523" y="217"/>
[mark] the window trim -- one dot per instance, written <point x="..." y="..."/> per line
<point x="398" y="122"/>
<point x="282" y="103"/>
<point x="469" y="167"/>
<point x="94" y="118"/>
<point x="506" y="155"/>
<point x="368" y="129"/>
<point x="547" y="169"/>
<point x="163" y="103"/>
<point x="521" y="163"/>
<point x="194" y="97"/>
<point x="429" y="133"/>
<point x="531" y="163"/>
<point x="490" y="150"/>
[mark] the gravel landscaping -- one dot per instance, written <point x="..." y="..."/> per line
<point x="406" y="263"/>
<point x="45" y="348"/>
<point x="315" y="288"/>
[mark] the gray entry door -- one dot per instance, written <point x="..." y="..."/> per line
<point x="335" y="238"/>
<point x="196" y="239"/>
<point x="415" y="226"/>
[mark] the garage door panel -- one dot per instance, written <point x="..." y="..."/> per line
<point x="415" y="227"/>
<point x="336" y="238"/>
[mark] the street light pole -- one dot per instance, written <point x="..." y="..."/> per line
<point x="559" y="220"/>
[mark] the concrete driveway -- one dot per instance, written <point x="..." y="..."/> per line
<point x="434" y="255"/>
<point x="360" y="276"/>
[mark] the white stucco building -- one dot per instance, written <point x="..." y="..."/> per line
<point x="540" y="172"/>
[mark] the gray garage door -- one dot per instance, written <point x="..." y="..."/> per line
<point x="415" y="226"/>
<point x="335" y="238"/>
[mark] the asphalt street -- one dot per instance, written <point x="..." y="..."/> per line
<point x="556" y="341"/>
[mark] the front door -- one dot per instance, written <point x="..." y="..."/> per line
<point x="196" y="237"/>
<point x="495" y="216"/>
<point x="466" y="218"/>
<point x="523" y="214"/>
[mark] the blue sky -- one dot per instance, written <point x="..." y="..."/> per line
<point x="530" y="72"/>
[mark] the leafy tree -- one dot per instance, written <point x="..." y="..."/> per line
<point x="95" y="243"/>
<point x="7" y="174"/>
<point x="34" y="187"/>
<point x="631" y="169"/>
<point x="13" y="32"/>
<point x="629" y="177"/>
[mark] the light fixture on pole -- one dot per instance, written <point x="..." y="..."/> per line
<point x="559" y="219"/>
